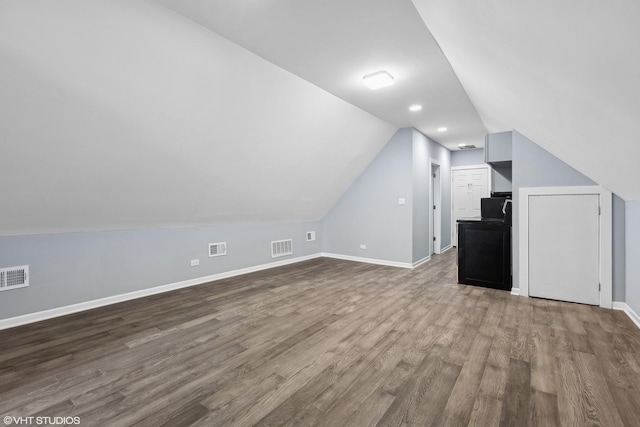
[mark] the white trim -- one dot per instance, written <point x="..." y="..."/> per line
<point x="515" y="291"/>
<point x="420" y="262"/>
<point x="606" y="292"/>
<point x="368" y="260"/>
<point x="617" y="305"/>
<point x="446" y="248"/>
<point x="457" y="168"/>
<point x="74" y="308"/>
<point x="489" y="189"/>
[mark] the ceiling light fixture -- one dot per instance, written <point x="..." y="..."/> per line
<point x="378" y="80"/>
<point x="442" y="129"/>
<point x="416" y="107"/>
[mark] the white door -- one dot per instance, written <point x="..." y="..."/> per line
<point x="564" y="247"/>
<point x="469" y="186"/>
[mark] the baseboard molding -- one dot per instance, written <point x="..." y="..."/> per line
<point x="12" y="322"/>
<point x="618" y="305"/>
<point x="515" y="291"/>
<point x="75" y="308"/>
<point x="420" y="262"/>
<point x="446" y="248"/>
<point x="368" y="260"/>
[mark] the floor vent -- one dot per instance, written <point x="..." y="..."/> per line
<point x="14" y="277"/>
<point x="217" y="249"/>
<point x="281" y="248"/>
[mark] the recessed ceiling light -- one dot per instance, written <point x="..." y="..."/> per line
<point x="442" y="129"/>
<point x="416" y="107"/>
<point x="378" y="80"/>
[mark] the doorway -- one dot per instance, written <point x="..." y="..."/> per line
<point x="435" y="214"/>
<point x="565" y="244"/>
<point x="468" y="185"/>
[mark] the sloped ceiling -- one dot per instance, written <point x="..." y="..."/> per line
<point x="123" y="114"/>
<point x="334" y="43"/>
<point x="564" y="73"/>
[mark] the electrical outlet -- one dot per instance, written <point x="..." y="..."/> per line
<point x="195" y="262"/>
<point x="363" y="246"/>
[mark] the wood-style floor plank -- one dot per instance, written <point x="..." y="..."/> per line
<point x="328" y="343"/>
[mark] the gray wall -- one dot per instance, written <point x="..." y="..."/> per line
<point x="501" y="178"/>
<point x="467" y="157"/>
<point x="633" y="255"/>
<point x="368" y="212"/>
<point x="70" y="268"/>
<point x="619" y="251"/>
<point x="424" y="152"/>
<point x="422" y="247"/>
<point x="535" y="167"/>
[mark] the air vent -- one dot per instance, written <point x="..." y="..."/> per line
<point x="217" y="249"/>
<point x="281" y="248"/>
<point x="14" y="277"/>
<point x="311" y="236"/>
<point x="466" y="147"/>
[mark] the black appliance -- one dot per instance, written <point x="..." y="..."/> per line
<point x="484" y="245"/>
<point x="505" y="194"/>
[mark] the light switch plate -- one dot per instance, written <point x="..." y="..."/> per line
<point x="402" y="201"/>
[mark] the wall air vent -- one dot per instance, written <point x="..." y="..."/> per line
<point x="14" y="277"/>
<point x="217" y="249"/>
<point x="466" y="146"/>
<point x="281" y="248"/>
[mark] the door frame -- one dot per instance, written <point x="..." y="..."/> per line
<point x="605" y="234"/>
<point x="435" y="215"/>
<point x="489" y="183"/>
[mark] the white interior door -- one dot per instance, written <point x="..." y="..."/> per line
<point x="564" y="247"/>
<point x="469" y="186"/>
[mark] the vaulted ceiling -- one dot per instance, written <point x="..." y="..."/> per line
<point x="122" y="114"/>
<point x="564" y="73"/>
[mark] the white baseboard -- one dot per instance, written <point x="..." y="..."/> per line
<point x="368" y="260"/>
<point x="101" y="302"/>
<point x="515" y="291"/>
<point x="446" y="248"/>
<point x="420" y="262"/>
<point x="75" y="308"/>
<point x="618" y="305"/>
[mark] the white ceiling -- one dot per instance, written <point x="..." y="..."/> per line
<point x="123" y="114"/>
<point x="333" y="43"/>
<point x="564" y="73"/>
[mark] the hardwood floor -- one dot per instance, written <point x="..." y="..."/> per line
<point x="329" y="343"/>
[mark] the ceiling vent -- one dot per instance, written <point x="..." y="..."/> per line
<point x="14" y="277"/>
<point x="217" y="249"/>
<point x="466" y="147"/>
<point x="281" y="248"/>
